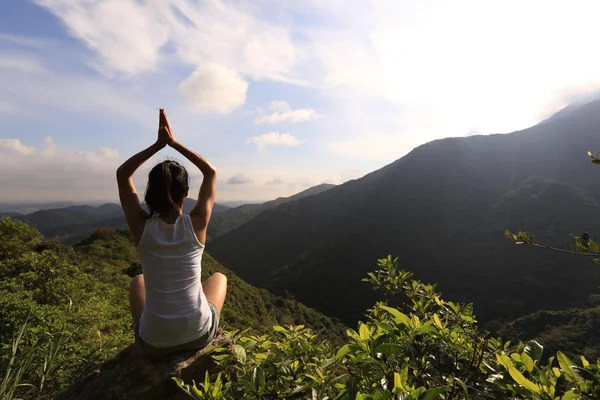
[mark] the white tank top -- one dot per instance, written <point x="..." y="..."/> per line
<point x="176" y="309"/>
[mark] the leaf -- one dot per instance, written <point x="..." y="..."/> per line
<point x="240" y="353"/>
<point x="464" y="387"/>
<point x="279" y="328"/>
<point x="431" y="394"/>
<point x="594" y="246"/>
<point x="258" y="378"/>
<point x="527" y="361"/>
<point x="521" y="380"/>
<point x="398" y="316"/>
<point x="585" y="237"/>
<point x="534" y="350"/>
<point x="345" y="349"/>
<point x="584" y="361"/>
<point x="504" y="360"/>
<point x="426" y="329"/>
<point x="566" y="364"/>
<point x="397" y="381"/>
<point x="364" y="332"/>
<point x="437" y="321"/>
<point x="570" y="395"/>
<point x="388" y="348"/>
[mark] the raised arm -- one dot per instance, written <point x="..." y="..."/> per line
<point x="134" y="213"/>
<point x="208" y="189"/>
<point x="202" y="211"/>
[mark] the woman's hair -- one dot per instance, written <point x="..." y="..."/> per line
<point x="168" y="184"/>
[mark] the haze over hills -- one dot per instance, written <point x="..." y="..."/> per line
<point x="442" y="209"/>
<point x="75" y="222"/>
<point x="231" y="219"/>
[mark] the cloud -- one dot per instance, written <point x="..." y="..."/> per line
<point x="53" y="173"/>
<point x="27" y="86"/>
<point x="282" y="112"/>
<point x="126" y="35"/>
<point x="276" y="181"/>
<point x="15" y="145"/>
<point x="239" y="179"/>
<point x="23" y="40"/>
<point x="275" y="139"/>
<point x="21" y="63"/>
<point x="214" y="88"/>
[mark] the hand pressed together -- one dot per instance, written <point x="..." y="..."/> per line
<point x="165" y="135"/>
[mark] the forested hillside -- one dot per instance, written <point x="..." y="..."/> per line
<point x="233" y="218"/>
<point x="76" y="299"/>
<point x="74" y="223"/>
<point x="442" y="209"/>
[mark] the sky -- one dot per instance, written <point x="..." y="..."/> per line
<point x="279" y="95"/>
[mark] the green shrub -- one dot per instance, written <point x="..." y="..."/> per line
<point x="427" y="348"/>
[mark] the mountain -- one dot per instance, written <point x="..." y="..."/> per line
<point x="75" y="222"/>
<point x="28" y="208"/>
<point x="235" y="217"/>
<point x="9" y="214"/>
<point x="442" y="209"/>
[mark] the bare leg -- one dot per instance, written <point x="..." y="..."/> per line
<point x="215" y="289"/>
<point x="137" y="296"/>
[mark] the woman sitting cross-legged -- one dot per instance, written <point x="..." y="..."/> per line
<point x="172" y="310"/>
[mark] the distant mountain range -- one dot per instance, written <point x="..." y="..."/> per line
<point x="442" y="209"/>
<point x="73" y="223"/>
<point x="231" y="219"/>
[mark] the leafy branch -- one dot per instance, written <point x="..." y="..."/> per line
<point x="584" y="244"/>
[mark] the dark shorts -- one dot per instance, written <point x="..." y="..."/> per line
<point x="197" y="344"/>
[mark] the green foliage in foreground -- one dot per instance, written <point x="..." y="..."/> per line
<point x="64" y="310"/>
<point x="428" y="348"/>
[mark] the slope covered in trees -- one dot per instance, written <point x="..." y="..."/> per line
<point x="76" y="299"/>
<point x="76" y="222"/>
<point x="233" y="218"/>
<point x="442" y="209"/>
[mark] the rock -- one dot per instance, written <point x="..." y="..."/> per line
<point x="133" y="375"/>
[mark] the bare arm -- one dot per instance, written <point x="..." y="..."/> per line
<point x="134" y="213"/>
<point x="202" y="211"/>
<point x="206" y="198"/>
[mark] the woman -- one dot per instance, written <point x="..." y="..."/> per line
<point x="171" y="309"/>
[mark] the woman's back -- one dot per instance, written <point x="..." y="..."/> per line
<point x="176" y="309"/>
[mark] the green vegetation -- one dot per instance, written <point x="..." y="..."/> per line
<point x="65" y="309"/>
<point x="427" y="348"/>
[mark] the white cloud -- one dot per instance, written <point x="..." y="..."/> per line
<point x="14" y="145"/>
<point x="282" y="112"/>
<point x="21" y="63"/>
<point x="214" y="88"/>
<point x="126" y="35"/>
<point x="239" y="179"/>
<point x="276" y="181"/>
<point x="27" y="86"/>
<point x="273" y="139"/>
<point x="53" y="173"/>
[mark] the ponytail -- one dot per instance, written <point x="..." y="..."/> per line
<point x="168" y="185"/>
